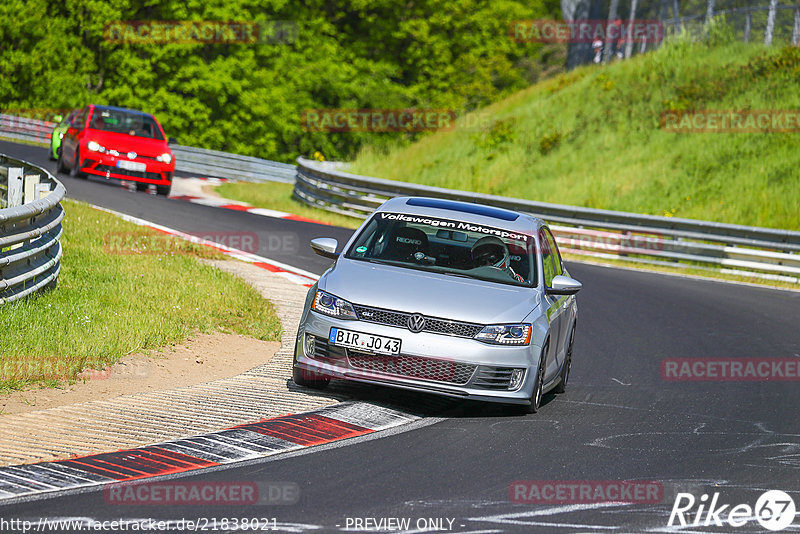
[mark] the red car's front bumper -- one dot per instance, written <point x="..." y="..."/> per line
<point x="105" y="165"/>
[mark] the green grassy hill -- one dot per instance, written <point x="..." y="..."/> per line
<point x="592" y="137"/>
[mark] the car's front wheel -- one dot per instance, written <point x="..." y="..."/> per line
<point x="164" y="190"/>
<point x="75" y="171"/>
<point x="60" y="167"/>
<point x="309" y="379"/>
<point x="538" y="385"/>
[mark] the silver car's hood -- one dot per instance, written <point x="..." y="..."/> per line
<point x="431" y="294"/>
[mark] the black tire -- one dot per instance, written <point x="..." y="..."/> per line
<point x="141" y="187"/>
<point x="308" y="379"/>
<point x="75" y="170"/>
<point x="60" y="167"/>
<point x="164" y="190"/>
<point x="538" y="387"/>
<point x="562" y="384"/>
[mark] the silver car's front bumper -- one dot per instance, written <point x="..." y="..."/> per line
<point x="447" y="365"/>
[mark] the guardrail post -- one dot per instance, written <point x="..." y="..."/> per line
<point x="768" y="32"/>
<point x="15" y="186"/>
<point x="41" y="190"/>
<point x="31" y="181"/>
<point x="677" y="16"/>
<point x="709" y="11"/>
<point x="748" y="23"/>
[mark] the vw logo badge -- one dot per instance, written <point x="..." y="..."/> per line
<point x="131" y="155"/>
<point x="416" y="323"/>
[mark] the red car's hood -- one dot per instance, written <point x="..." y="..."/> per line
<point x="128" y="143"/>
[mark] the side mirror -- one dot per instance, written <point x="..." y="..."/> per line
<point x="326" y="247"/>
<point x="72" y="131"/>
<point x="563" y="285"/>
<point x="172" y="141"/>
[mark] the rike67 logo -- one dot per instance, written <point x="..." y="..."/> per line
<point x="774" y="510"/>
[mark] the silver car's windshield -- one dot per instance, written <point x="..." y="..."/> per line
<point x="447" y="246"/>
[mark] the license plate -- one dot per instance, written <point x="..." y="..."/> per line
<point x="131" y="165"/>
<point x="365" y="342"/>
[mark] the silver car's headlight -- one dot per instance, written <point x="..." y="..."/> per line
<point x="333" y="306"/>
<point x="505" y="334"/>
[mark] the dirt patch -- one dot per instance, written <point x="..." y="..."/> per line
<point x="203" y="358"/>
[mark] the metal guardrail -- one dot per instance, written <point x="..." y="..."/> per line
<point x="231" y="166"/>
<point x="747" y="250"/>
<point x="770" y="12"/>
<point x="30" y="228"/>
<point x="188" y="159"/>
<point x="35" y="130"/>
<point x="772" y="17"/>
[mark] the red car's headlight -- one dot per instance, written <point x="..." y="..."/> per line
<point x="94" y="146"/>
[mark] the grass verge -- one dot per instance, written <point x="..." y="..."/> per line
<point x="278" y="196"/>
<point x="593" y="137"/>
<point x="122" y="289"/>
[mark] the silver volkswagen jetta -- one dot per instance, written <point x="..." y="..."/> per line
<point x="446" y="297"/>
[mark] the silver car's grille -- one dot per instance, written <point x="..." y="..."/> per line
<point x="492" y="377"/>
<point x="413" y="367"/>
<point x="432" y="324"/>
<point x="452" y="328"/>
<point x="376" y="315"/>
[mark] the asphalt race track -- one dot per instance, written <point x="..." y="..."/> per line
<point x="619" y="420"/>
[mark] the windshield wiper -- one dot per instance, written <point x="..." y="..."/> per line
<point x="460" y="275"/>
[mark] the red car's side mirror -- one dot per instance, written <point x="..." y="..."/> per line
<point x="72" y="131"/>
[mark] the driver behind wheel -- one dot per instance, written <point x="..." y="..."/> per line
<point x="492" y="252"/>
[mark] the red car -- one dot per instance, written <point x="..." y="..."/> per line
<point x="118" y="143"/>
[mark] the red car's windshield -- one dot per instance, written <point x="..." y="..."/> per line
<point x="125" y="122"/>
